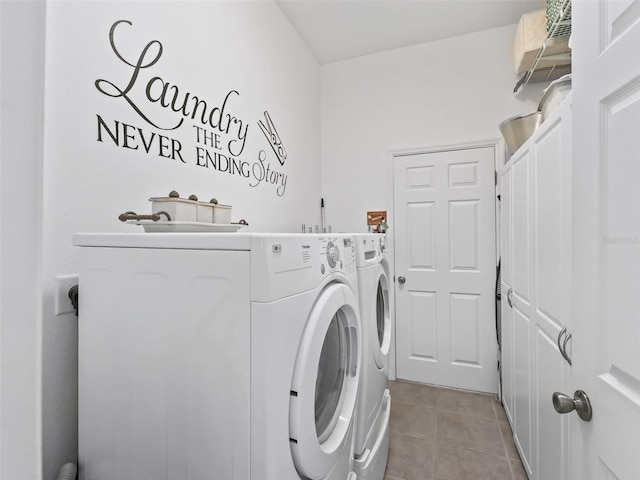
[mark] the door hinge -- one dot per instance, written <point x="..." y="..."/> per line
<point x="495" y="177"/>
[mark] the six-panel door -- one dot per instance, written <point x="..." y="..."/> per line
<point x="445" y="251"/>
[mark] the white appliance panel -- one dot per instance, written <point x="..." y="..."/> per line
<point x="160" y="336"/>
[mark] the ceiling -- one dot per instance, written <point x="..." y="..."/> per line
<point x="338" y="30"/>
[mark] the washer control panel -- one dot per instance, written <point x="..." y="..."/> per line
<point x="286" y="264"/>
<point x="333" y="254"/>
<point x="338" y="253"/>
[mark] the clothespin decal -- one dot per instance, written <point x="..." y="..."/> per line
<point x="270" y="132"/>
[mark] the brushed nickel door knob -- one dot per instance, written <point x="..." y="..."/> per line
<point x="580" y="403"/>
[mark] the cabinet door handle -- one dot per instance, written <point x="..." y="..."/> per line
<point x="562" y="345"/>
<point x="509" y="292"/>
<point x="562" y="332"/>
<point x="564" y="348"/>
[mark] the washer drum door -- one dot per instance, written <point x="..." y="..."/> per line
<point x="325" y="383"/>
<point x="380" y="335"/>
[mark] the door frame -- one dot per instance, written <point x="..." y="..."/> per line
<point x="499" y="160"/>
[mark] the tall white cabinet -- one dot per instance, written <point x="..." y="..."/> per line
<point x="536" y="294"/>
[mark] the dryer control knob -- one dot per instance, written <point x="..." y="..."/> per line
<point x="333" y="254"/>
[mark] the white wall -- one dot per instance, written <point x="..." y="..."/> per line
<point x="209" y="49"/>
<point x="21" y="124"/>
<point x="442" y="93"/>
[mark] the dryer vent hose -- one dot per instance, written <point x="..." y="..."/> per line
<point x="67" y="472"/>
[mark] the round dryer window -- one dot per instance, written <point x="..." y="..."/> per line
<point x="381" y="314"/>
<point x="325" y="384"/>
<point x="331" y="373"/>
<point x="380" y="339"/>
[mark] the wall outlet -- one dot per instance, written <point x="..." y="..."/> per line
<point x="62" y="304"/>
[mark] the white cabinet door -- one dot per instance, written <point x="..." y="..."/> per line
<point x="521" y="300"/>
<point x="551" y="292"/>
<point x="506" y="268"/>
<point x="536" y="279"/>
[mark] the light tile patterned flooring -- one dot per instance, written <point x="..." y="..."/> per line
<point x="445" y="434"/>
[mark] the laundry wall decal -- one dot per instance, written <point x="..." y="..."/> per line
<point x="166" y="111"/>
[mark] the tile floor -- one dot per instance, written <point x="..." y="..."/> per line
<point x="445" y="434"/>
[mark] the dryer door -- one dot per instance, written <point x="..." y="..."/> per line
<point x="380" y="337"/>
<point x="325" y="383"/>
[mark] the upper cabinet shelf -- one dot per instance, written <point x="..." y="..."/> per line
<point x="552" y="59"/>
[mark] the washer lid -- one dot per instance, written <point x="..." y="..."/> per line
<point x="325" y="383"/>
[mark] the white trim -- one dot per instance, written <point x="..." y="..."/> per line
<point x="498" y="150"/>
<point x="391" y="261"/>
<point x="493" y="142"/>
<point x="22" y="54"/>
<point x="1" y="230"/>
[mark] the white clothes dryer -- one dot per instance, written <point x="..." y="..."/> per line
<point x="371" y="447"/>
<point x="217" y="356"/>
<point x="306" y="358"/>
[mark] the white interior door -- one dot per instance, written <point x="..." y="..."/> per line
<point x="444" y="214"/>
<point x="606" y="298"/>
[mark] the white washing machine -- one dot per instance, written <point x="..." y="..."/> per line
<point x="371" y="443"/>
<point x="217" y="356"/>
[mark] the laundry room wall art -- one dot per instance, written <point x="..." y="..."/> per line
<point x="216" y="136"/>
